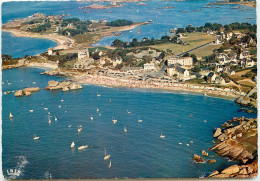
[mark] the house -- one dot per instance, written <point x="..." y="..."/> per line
<point x="249" y="63"/>
<point x="186" y="61"/>
<point x="177" y="69"/>
<point x="238" y="35"/>
<point x="149" y="67"/>
<point x="219" y="68"/>
<point x="83" y="54"/>
<point x="211" y="77"/>
<point x="170" y="70"/>
<point x="50" y="51"/>
<point x="219" y="80"/>
<point x="218" y="40"/>
<point x="244" y="54"/>
<point x="117" y="61"/>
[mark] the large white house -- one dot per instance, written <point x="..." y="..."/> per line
<point x="149" y="67"/>
<point x="186" y="61"/>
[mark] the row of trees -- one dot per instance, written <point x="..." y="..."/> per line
<point x="119" y="22"/>
<point x="42" y="28"/>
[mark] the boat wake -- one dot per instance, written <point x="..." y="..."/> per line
<point x="19" y="169"/>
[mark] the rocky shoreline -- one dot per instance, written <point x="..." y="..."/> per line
<point x="237" y="142"/>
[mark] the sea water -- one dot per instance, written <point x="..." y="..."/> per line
<point x="139" y="153"/>
<point x="163" y="19"/>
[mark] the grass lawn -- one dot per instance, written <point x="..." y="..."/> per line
<point x="194" y="40"/>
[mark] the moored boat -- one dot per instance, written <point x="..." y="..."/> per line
<point x="82" y="147"/>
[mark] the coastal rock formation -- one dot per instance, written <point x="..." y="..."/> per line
<point x="204" y="153"/>
<point x="211" y="161"/>
<point x="198" y="159"/>
<point x="18" y="93"/>
<point x="65" y="85"/>
<point x="217" y="132"/>
<point x="239" y="143"/>
<point x="27" y="91"/>
<point x="248" y="100"/>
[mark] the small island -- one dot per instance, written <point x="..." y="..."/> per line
<point x="248" y="3"/>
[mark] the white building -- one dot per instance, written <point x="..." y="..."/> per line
<point x="117" y="61"/>
<point x="186" y="61"/>
<point x="149" y="67"/>
<point x="83" y="54"/>
<point x="50" y="51"/>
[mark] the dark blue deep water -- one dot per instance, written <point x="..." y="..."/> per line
<point x="139" y="153"/>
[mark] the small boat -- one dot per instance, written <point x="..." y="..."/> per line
<point x="72" y="144"/>
<point x="91" y="117"/>
<point x="150" y="21"/>
<point x="49" y="121"/>
<point x="98" y="95"/>
<point x="36" y="137"/>
<point x="236" y="7"/>
<point x="205" y="121"/>
<point x="79" y="130"/>
<point x="114" y="120"/>
<point x="139" y="120"/>
<point x="180" y="143"/>
<point x="59" y="106"/>
<point x="188" y="145"/>
<point x="34" y="82"/>
<point x="97" y="109"/>
<point x="179" y="125"/>
<point x="128" y="112"/>
<point x="162" y="136"/>
<point x="55" y="118"/>
<point x="110" y="164"/>
<point x="11" y="116"/>
<point x="82" y="147"/>
<point x="9" y="83"/>
<point x="45" y="108"/>
<point x="49" y="112"/>
<point x="191" y="141"/>
<point x="69" y="126"/>
<point x="106" y="156"/>
<point x="31" y="110"/>
<point x="99" y="114"/>
<point x="125" y="130"/>
<point x="61" y="100"/>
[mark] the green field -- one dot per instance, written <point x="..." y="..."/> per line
<point x="194" y="40"/>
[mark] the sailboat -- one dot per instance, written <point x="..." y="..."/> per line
<point x="36" y="137"/>
<point x="109" y="101"/>
<point x="91" y="117"/>
<point x="49" y="121"/>
<point x="110" y="164"/>
<point x="98" y="95"/>
<point x="125" y="130"/>
<point x="139" y="120"/>
<point x="79" y="130"/>
<point x="82" y="147"/>
<point x="162" y="136"/>
<point x="11" y="116"/>
<point x="106" y="156"/>
<point x="97" y="109"/>
<point x="61" y="100"/>
<point x="72" y="144"/>
<point x="114" y="120"/>
<point x="55" y="118"/>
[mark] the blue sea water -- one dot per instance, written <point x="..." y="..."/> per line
<point x="138" y="154"/>
<point x="21" y="46"/>
<point x="163" y="19"/>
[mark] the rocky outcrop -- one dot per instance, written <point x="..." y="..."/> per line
<point x="26" y="92"/>
<point x="247" y="100"/>
<point x="198" y="159"/>
<point x="238" y="143"/>
<point x="217" y="132"/>
<point x="204" y="153"/>
<point x="65" y="85"/>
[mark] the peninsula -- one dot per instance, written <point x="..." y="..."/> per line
<point x="247" y="3"/>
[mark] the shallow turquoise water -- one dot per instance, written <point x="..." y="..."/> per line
<point x="163" y="19"/>
<point x="138" y="154"/>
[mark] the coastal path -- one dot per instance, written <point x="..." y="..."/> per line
<point x="195" y="48"/>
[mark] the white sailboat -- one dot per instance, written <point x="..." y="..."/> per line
<point x="91" y="117"/>
<point x="45" y="108"/>
<point x="49" y="121"/>
<point x="106" y="156"/>
<point x="11" y="116"/>
<point x="31" y="110"/>
<point x="139" y="120"/>
<point x="97" y="109"/>
<point x="110" y="164"/>
<point x="98" y="95"/>
<point x="55" y="118"/>
<point x="72" y="144"/>
<point x="61" y="100"/>
<point x="79" y="130"/>
<point x="114" y="120"/>
<point x="125" y="130"/>
<point x="82" y="147"/>
<point x="162" y="136"/>
<point x="36" y="137"/>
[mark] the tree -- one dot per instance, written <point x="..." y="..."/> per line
<point x="96" y="56"/>
<point x="118" y="43"/>
<point x="196" y="68"/>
